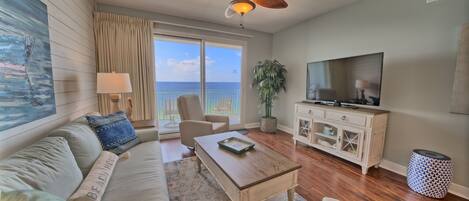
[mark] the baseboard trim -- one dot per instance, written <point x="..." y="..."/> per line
<point x="285" y="129"/>
<point x="455" y="189"/>
<point x="252" y="125"/>
<point x="393" y="167"/>
<point x="281" y="127"/>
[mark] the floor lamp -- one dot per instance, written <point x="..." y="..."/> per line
<point x="114" y="84"/>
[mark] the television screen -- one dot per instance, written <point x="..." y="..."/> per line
<point x="353" y="80"/>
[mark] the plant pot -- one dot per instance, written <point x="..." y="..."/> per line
<point x="269" y="125"/>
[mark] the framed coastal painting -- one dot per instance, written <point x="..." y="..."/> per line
<point x="26" y="84"/>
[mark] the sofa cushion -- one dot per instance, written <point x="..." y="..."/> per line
<point x="83" y="120"/>
<point x="28" y="195"/>
<point x="83" y="142"/>
<point x="189" y="108"/>
<point x="112" y="130"/>
<point x="147" y="134"/>
<point x="141" y="177"/>
<point x="48" y="165"/>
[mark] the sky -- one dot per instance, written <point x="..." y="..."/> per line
<point x="180" y="62"/>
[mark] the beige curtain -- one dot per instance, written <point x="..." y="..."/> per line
<point x="125" y="45"/>
<point x="460" y="99"/>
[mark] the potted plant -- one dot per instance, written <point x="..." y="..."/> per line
<point x="269" y="78"/>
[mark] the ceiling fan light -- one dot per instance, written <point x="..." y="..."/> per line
<point x="242" y="6"/>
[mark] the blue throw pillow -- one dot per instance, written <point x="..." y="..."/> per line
<point x="112" y="130"/>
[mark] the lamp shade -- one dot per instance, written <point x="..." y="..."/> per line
<point x="361" y="84"/>
<point x="113" y="83"/>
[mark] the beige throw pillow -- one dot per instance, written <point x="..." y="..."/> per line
<point x="93" y="186"/>
<point x="47" y="165"/>
<point x="83" y="142"/>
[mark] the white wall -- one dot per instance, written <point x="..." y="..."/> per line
<point x="259" y="46"/>
<point x="74" y="71"/>
<point x="419" y="42"/>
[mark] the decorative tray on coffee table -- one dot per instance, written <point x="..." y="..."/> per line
<point x="236" y="145"/>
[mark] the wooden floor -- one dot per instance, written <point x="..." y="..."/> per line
<point x="323" y="174"/>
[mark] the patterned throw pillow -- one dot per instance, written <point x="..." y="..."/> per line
<point x="112" y="130"/>
<point x="123" y="148"/>
<point x="94" y="185"/>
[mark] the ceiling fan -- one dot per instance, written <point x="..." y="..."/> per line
<point x="243" y="7"/>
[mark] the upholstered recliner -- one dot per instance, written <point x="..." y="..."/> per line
<point x="195" y="123"/>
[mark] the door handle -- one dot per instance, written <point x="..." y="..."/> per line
<point x="343" y="118"/>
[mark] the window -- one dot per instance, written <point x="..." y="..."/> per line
<point x="180" y="71"/>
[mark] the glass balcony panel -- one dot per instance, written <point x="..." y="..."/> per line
<point x="223" y="80"/>
<point x="177" y="73"/>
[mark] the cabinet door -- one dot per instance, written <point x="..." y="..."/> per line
<point x="325" y="134"/>
<point x="351" y="142"/>
<point x="303" y="129"/>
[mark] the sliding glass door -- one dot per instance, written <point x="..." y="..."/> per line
<point x="191" y="66"/>
<point x="223" y="80"/>
<point x="177" y="62"/>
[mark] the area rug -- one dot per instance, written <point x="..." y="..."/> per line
<point x="243" y="131"/>
<point x="186" y="184"/>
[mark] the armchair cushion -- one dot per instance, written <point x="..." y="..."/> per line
<point x="195" y="123"/>
<point x="219" y="127"/>
<point x="189" y="108"/>
<point x="217" y="118"/>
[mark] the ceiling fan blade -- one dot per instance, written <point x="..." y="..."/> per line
<point x="229" y="12"/>
<point x="272" y="3"/>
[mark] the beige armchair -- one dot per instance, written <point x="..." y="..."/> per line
<point x="195" y="123"/>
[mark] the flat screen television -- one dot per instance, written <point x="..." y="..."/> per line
<point x="351" y="80"/>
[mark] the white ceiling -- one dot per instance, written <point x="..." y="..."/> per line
<point x="261" y="19"/>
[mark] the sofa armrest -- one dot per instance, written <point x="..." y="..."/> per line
<point x="217" y="118"/>
<point x="190" y="129"/>
<point x="147" y="134"/>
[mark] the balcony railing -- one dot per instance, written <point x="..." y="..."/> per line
<point x="218" y="100"/>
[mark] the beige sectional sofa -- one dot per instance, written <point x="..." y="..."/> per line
<point x="75" y="146"/>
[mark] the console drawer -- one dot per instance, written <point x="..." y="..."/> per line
<point x="346" y="118"/>
<point x="316" y="113"/>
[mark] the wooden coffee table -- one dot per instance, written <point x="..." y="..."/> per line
<point x="253" y="176"/>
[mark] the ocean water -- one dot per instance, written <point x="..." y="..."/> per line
<point x="221" y="97"/>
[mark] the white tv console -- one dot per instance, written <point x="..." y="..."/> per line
<point x="356" y="135"/>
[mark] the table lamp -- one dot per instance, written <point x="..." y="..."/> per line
<point x="114" y="84"/>
<point x="361" y="85"/>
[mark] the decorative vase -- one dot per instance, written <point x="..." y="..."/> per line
<point x="269" y="125"/>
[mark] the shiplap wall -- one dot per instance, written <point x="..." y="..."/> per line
<point x="74" y="71"/>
